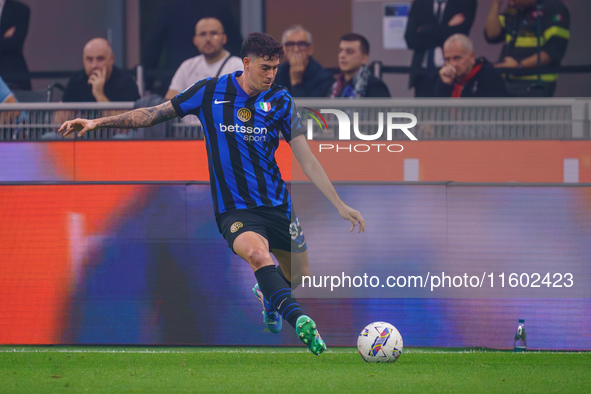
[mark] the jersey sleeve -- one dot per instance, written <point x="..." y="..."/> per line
<point x="293" y="125"/>
<point x="556" y="31"/>
<point x="190" y="100"/>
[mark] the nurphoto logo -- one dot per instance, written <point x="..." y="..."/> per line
<point x="344" y="130"/>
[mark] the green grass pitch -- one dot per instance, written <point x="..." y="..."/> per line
<point x="32" y="369"/>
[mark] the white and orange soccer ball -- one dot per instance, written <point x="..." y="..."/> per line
<point x="379" y="342"/>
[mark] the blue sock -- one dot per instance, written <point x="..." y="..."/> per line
<point x="278" y="294"/>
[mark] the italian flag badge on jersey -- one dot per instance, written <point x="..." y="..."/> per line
<point x="265" y="106"/>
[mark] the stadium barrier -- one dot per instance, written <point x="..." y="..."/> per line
<point x="529" y="161"/>
<point x="438" y="119"/>
<point x="143" y="264"/>
<point x="474" y="119"/>
<point x="40" y="121"/>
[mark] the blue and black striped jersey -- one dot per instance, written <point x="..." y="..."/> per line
<point x="242" y="135"/>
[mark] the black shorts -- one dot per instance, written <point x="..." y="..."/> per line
<point x="280" y="227"/>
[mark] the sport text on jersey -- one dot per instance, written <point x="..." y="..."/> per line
<point x="249" y="133"/>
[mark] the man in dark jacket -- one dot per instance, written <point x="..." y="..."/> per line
<point x="465" y="76"/>
<point x="430" y="23"/>
<point x="100" y="80"/>
<point x="301" y="75"/>
<point x="14" y="25"/>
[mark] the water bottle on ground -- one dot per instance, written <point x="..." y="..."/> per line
<point x="520" y="342"/>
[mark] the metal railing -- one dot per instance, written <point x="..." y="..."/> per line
<point x="438" y="119"/>
<point x="40" y="121"/>
<point x="463" y="119"/>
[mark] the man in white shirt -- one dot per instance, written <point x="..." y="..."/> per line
<point x="214" y="59"/>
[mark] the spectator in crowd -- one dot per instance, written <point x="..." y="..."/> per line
<point x="7" y="97"/>
<point x="214" y="60"/>
<point x="100" y="80"/>
<point x="14" y="25"/>
<point x="465" y="76"/>
<point x="301" y="75"/>
<point x="167" y="45"/>
<point x="430" y="23"/>
<point x="355" y="79"/>
<point x="536" y="34"/>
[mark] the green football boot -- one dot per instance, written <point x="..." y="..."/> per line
<point x="307" y="332"/>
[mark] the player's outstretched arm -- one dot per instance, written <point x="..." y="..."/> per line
<point x="314" y="171"/>
<point x="141" y="117"/>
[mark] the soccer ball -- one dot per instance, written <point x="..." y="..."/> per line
<point x="379" y="342"/>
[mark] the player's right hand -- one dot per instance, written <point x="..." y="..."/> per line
<point x="80" y="125"/>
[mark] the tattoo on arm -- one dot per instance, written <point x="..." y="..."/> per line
<point x="141" y="117"/>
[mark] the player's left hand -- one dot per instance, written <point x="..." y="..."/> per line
<point x="354" y="216"/>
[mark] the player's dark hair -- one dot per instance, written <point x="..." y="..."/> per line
<point x="357" y="37"/>
<point x="261" y="45"/>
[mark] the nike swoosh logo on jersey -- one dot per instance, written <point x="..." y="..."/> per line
<point x="220" y="102"/>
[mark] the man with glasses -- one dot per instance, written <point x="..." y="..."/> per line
<point x="214" y="59"/>
<point x="301" y="75"/>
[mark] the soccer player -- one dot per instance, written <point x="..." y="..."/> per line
<point x="242" y="115"/>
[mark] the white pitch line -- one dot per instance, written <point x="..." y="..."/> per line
<point x="260" y="351"/>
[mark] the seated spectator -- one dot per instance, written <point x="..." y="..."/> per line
<point x="465" y="76"/>
<point x="214" y="59"/>
<point x="7" y="97"/>
<point x="100" y="80"/>
<point x="356" y="79"/>
<point x="535" y="35"/>
<point x="430" y="23"/>
<point x="301" y="75"/>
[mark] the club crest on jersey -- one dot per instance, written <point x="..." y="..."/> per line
<point x="244" y="114"/>
<point x="265" y="106"/>
<point x="235" y="227"/>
